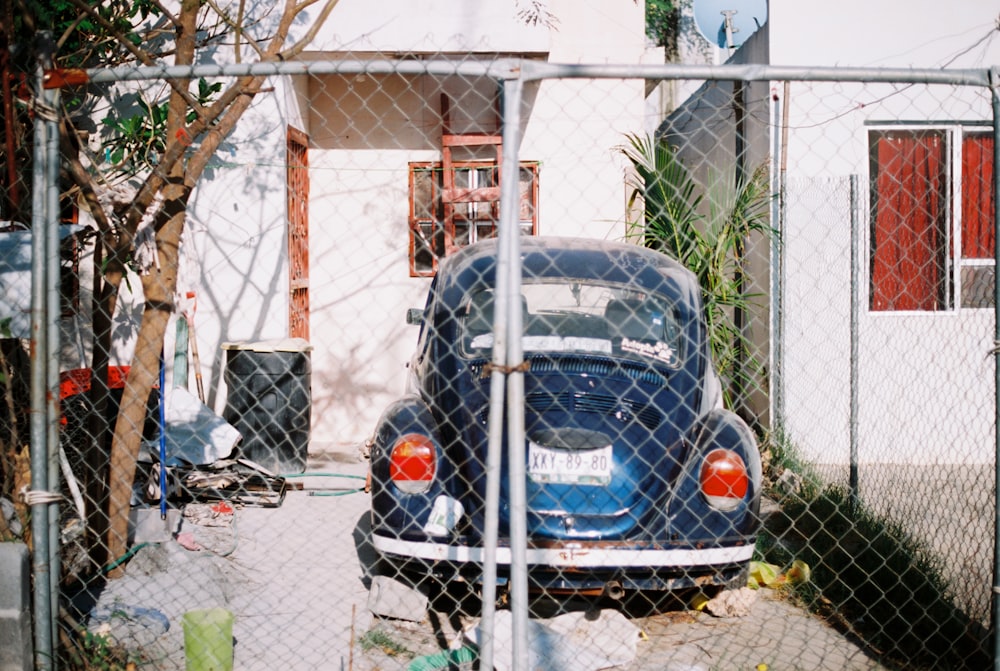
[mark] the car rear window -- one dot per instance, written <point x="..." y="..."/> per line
<point x="580" y="317"/>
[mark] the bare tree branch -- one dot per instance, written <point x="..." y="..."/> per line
<point x="310" y="35"/>
<point x="237" y="28"/>
<point x="174" y="21"/>
<point x="81" y="178"/>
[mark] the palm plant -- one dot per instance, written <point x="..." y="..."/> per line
<point x="708" y="238"/>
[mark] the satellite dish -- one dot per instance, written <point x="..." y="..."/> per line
<point x="729" y="23"/>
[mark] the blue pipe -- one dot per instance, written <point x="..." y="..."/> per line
<point x="163" y="439"/>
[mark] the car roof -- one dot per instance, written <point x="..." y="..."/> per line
<point x="580" y="258"/>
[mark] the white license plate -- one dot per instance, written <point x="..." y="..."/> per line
<point x="574" y="467"/>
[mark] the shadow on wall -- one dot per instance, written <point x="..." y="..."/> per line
<point x="352" y="394"/>
<point x="377" y="120"/>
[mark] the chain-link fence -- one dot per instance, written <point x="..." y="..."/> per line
<point x="536" y="465"/>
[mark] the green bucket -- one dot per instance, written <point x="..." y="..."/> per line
<point x="208" y="639"/>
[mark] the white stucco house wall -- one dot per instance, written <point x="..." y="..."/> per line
<point x="923" y="375"/>
<point x="362" y="133"/>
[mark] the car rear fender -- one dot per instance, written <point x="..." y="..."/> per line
<point x="394" y="511"/>
<point x="691" y="516"/>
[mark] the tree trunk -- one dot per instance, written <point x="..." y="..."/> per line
<point x="159" y="286"/>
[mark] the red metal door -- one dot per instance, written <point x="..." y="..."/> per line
<point x="298" y="234"/>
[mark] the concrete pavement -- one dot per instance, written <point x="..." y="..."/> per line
<point x="297" y="576"/>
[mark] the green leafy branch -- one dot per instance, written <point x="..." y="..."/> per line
<point x="137" y="141"/>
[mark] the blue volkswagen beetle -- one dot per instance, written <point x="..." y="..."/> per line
<point x="637" y="477"/>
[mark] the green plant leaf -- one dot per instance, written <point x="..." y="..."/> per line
<point x="707" y="231"/>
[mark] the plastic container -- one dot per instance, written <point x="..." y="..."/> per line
<point x="208" y="639"/>
<point x="15" y="607"/>
<point x="270" y="401"/>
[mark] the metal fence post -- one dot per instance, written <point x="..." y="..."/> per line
<point x="510" y="244"/>
<point x="777" y="280"/>
<point x="855" y="351"/>
<point x="491" y="514"/>
<point x="995" y="99"/>
<point x="53" y="309"/>
<point x="41" y="332"/>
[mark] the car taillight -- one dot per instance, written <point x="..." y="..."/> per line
<point x="724" y="479"/>
<point x="411" y="463"/>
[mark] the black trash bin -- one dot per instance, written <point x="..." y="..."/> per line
<point x="269" y="401"/>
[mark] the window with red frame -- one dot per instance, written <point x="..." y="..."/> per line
<point x="924" y="244"/>
<point x="430" y="233"/>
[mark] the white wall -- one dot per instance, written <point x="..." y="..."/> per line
<point x="360" y="290"/>
<point x="234" y="251"/>
<point x="828" y="119"/>
<point x="944" y="413"/>
<point x="365" y="132"/>
<point x="899" y="33"/>
<point x="428" y="26"/>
